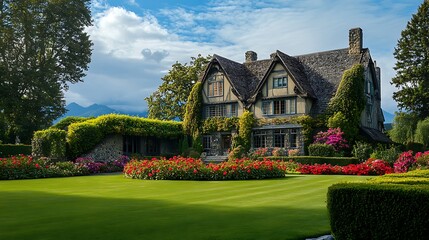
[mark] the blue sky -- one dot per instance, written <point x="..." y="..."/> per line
<point x="137" y="41"/>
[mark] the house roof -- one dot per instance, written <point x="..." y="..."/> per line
<point x="324" y="71"/>
<point x="375" y="135"/>
<point x="317" y="75"/>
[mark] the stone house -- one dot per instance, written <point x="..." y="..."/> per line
<point x="284" y="86"/>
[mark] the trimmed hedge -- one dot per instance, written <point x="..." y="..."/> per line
<point x="7" y="150"/>
<point x="412" y="178"/>
<point x="378" y="211"/>
<point x="340" y="161"/>
<point x="49" y="143"/>
<point x="84" y="136"/>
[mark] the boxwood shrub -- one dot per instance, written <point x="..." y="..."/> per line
<point x="387" y="207"/>
<point x="340" y="161"/>
<point x="14" y="149"/>
<point x="321" y="149"/>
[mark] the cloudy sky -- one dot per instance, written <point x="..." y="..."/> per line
<point x="137" y="41"/>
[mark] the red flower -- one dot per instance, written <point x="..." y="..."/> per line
<point x="224" y="173"/>
<point x="37" y="166"/>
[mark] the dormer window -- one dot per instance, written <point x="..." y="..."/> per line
<point x="215" y="85"/>
<point x="280" y="82"/>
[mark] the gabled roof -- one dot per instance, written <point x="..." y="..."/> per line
<point x="317" y="75"/>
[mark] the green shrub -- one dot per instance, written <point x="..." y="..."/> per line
<point x="339" y="161"/>
<point x="321" y="149"/>
<point x="362" y="151"/>
<point x="14" y="149"/>
<point x="84" y="136"/>
<point x="65" y="122"/>
<point x="49" y="143"/>
<point x="246" y="123"/>
<point x="390" y="154"/>
<point x="378" y="211"/>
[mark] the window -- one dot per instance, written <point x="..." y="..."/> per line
<point x="152" y="146"/>
<point x="293" y="138"/>
<point x="279" y="138"/>
<point x="280" y="82"/>
<point x="131" y="144"/>
<point x="266" y="107"/>
<point x="215" y="85"/>
<point x="260" y="139"/>
<point x="280" y="106"/>
<point x="221" y="110"/>
<point x="207" y="141"/>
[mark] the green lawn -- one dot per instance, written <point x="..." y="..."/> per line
<point x="112" y="207"/>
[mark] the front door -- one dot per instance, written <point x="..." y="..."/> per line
<point x="225" y="143"/>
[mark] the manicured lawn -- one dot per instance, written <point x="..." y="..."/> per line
<point x="112" y="207"/>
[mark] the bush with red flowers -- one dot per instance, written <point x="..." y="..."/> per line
<point x="404" y="162"/>
<point x="27" y="167"/>
<point x="180" y="168"/>
<point x="370" y="167"/>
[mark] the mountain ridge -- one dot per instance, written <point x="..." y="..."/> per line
<point x="94" y="110"/>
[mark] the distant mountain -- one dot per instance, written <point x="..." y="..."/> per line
<point x="388" y="117"/>
<point x="95" y="110"/>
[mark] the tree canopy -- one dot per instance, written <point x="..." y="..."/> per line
<point x="43" y="48"/>
<point x="404" y="127"/>
<point x="169" y="101"/>
<point x="412" y="66"/>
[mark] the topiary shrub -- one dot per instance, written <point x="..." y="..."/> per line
<point x="49" y="143"/>
<point x="321" y="149"/>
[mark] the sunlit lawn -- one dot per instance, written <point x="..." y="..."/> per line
<point x="112" y="207"/>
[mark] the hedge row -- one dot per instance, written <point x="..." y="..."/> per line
<point x="339" y="161"/>
<point x="83" y="136"/>
<point x="7" y="150"/>
<point x="49" y="143"/>
<point x="388" y="207"/>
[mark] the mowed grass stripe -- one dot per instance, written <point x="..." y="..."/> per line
<point x="112" y="207"/>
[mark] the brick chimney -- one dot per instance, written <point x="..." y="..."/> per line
<point x="251" y="56"/>
<point x="355" y="41"/>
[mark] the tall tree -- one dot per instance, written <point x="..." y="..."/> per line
<point x="412" y="66"/>
<point x="169" y="101"/>
<point x="404" y="127"/>
<point x="43" y="48"/>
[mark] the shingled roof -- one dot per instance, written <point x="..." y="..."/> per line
<point x="241" y="78"/>
<point x="324" y="71"/>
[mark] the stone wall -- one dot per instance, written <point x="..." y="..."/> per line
<point x="108" y="150"/>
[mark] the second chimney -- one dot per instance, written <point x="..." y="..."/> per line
<point x="251" y="56"/>
<point x="355" y="41"/>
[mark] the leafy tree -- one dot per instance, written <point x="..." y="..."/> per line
<point x="43" y="48"/>
<point x="349" y="102"/>
<point x="193" y="117"/>
<point x="404" y="126"/>
<point x="412" y="66"/>
<point x="422" y="132"/>
<point x="169" y="101"/>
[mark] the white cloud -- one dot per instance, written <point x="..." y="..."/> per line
<point x="133" y="51"/>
